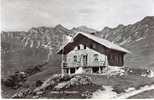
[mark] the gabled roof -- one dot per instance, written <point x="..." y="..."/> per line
<point x="101" y="41"/>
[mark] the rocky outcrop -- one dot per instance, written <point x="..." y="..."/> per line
<point x="37" y="45"/>
<point x="129" y="33"/>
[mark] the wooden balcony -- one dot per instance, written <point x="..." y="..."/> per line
<point x="76" y="64"/>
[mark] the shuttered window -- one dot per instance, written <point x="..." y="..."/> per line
<point x="75" y="58"/>
<point x="95" y="57"/>
<point x="78" y="47"/>
<point x="85" y="47"/>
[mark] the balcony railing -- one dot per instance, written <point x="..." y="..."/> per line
<point x="64" y="64"/>
<point x="77" y="64"/>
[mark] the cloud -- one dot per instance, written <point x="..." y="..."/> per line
<point x="86" y="11"/>
<point x="24" y="14"/>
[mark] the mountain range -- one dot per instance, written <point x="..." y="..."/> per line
<point x="22" y="49"/>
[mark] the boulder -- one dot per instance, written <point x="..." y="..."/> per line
<point x="87" y="94"/>
<point x="50" y="82"/>
<point x="85" y="80"/>
<point x="60" y="86"/>
<point x="35" y="97"/>
<point x="39" y="93"/>
<point x="38" y="83"/>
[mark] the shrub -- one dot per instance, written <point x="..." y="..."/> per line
<point x="139" y="86"/>
<point x="118" y="89"/>
<point x="38" y="83"/>
<point x="65" y="78"/>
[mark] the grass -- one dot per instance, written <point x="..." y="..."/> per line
<point x="142" y="54"/>
<point x="7" y="92"/>
<point x="122" y="82"/>
<point x="119" y="84"/>
<point x="43" y="75"/>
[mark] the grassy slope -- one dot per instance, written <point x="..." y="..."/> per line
<point x="122" y="81"/>
<point x="7" y="92"/>
<point x="22" y="59"/>
<point x="43" y="75"/>
<point x="142" y="54"/>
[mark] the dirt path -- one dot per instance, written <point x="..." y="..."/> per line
<point x="109" y="94"/>
<point x="106" y="94"/>
<point x="135" y="92"/>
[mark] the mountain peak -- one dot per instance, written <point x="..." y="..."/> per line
<point x="59" y="26"/>
<point x="106" y="28"/>
<point x="148" y="20"/>
<point x="83" y="28"/>
<point x="120" y="26"/>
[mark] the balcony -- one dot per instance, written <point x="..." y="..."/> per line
<point x="64" y="64"/>
<point x="79" y="64"/>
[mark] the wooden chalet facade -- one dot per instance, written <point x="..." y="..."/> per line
<point x="91" y="53"/>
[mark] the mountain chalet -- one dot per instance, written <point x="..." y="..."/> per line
<point x="91" y="53"/>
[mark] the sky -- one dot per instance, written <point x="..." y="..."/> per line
<point x="17" y="15"/>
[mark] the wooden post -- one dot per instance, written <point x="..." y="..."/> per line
<point x="106" y="61"/>
<point x="99" y="69"/>
<point x="91" y="70"/>
<point x="69" y="71"/>
<point x="75" y="70"/>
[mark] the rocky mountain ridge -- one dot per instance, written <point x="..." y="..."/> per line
<point x="130" y="33"/>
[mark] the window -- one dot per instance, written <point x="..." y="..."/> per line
<point x="95" y="57"/>
<point x="67" y="71"/>
<point x="84" y="46"/>
<point x="78" y="47"/>
<point x="75" y="58"/>
<point x="85" y="59"/>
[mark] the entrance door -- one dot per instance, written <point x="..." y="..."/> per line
<point x="84" y="60"/>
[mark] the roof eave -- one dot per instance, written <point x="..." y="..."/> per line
<point x="60" y="50"/>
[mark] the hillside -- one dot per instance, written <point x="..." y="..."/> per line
<point x="142" y="53"/>
<point x="37" y="45"/>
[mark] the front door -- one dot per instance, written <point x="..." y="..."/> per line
<point x="84" y="60"/>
